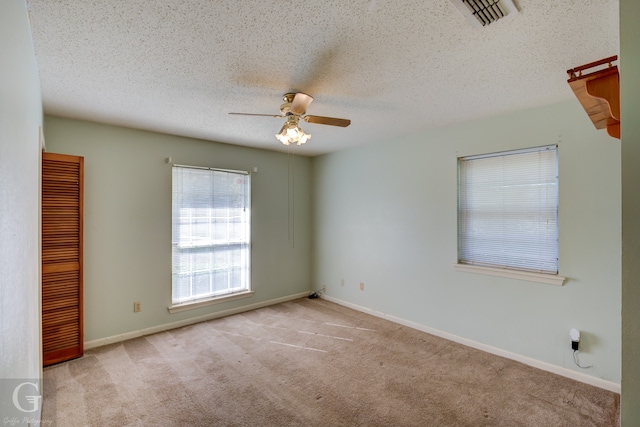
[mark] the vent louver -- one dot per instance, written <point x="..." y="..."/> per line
<point x="484" y="12"/>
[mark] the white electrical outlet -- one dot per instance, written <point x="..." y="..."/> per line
<point x="362" y="286"/>
<point x="341" y="282"/>
<point x="324" y="289"/>
<point x="574" y="334"/>
<point x="137" y="307"/>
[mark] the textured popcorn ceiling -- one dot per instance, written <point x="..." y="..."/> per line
<point x="179" y="66"/>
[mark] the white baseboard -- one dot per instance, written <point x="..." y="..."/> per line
<point x="167" y="326"/>
<point x="578" y="376"/>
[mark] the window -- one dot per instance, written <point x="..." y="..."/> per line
<point x="508" y="210"/>
<point x="210" y="233"/>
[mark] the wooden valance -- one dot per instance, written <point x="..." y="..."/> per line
<point x="599" y="93"/>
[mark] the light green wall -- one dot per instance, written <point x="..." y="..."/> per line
<point x="385" y="215"/>
<point x="630" y="126"/>
<point x="127" y="253"/>
<point x="20" y="120"/>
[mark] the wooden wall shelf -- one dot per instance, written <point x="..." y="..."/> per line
<point x="599" y="93"/>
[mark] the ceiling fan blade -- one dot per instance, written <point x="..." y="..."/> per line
<point x="300" y="103"/>
<point x="332" y="121"/>
<point x="277" y="116"/>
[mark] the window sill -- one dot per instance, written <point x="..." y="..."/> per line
<point x="512" y="274"/>
<point x="176" y="308"/>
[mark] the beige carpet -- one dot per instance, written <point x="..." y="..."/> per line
<point x="311" y="363"/>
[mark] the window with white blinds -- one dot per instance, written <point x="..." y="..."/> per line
<point x="210" y="231"/>
<point x="508" y="210"/>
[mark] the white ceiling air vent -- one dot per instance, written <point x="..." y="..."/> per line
<point x="483" y="12"/>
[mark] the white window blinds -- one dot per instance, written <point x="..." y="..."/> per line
<point x="210" y="233"/>
<point x="508" y="210"/>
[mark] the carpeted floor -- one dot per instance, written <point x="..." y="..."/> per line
<point x="311" y="363"/>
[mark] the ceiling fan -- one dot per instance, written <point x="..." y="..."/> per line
<point x="294" y="109"/>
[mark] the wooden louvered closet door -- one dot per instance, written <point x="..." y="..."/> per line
<point x="62" y="213"/>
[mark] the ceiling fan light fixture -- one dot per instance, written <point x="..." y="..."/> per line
<point x="303" y="136"/>
<point x="291" y="133"/>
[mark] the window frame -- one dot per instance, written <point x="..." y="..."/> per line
<point x="208" y="244"/>
<point x="504" y="268"/>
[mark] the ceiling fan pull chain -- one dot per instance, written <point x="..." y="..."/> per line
<point x="291" y="195"/>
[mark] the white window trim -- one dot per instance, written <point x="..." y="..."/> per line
<point x="550" y="279"/>
<point x="513" y="271"/>
<point x="217" y="299"/>
<point x="190" y="305"/>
